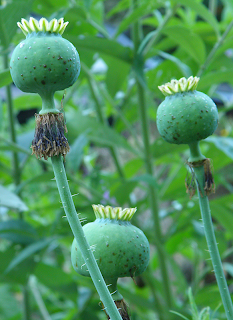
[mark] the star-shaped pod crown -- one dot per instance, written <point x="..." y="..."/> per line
<point x="181" y="85"/>
<point x="33" y="25"/>
<point x="117" y="213"/>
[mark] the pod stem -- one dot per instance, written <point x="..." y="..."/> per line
<point x="211" y="241"/>
<point x="79" y="235"/>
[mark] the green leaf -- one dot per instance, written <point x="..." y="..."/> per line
<point x="179" y="314"/>
<point x="184" y="68"/>
<point x="5" y="78"/>
<point x="224" y="144"/>
<point x="144" y="8"/>
<point x="188" y="40"/>
<point x="27" y="101"/>
<point x="193" y="305"/>
<point x="215" y="77"/>
<point x="116" y="74"/>
<point x="10" y="14"/>
<point x="202" y="11"/>
<point x="96" y="132"/>
<point x="17" y="231"/>
<point x="147" y="178"/>
<point x="101" y="45"/>
<point x="123" y="197"/>
<point x="10" y="200"/>
<point x="28" y="252"/>
<point x="75" y="156"/>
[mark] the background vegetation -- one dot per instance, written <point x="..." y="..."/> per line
<point x="127" y="48"/>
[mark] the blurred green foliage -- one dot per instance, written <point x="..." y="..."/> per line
<point x="177" y="38"/>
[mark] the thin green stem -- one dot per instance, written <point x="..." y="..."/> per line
<point x="39" y="301"/>
<point x="16" y="174"/>
<point x="16" y="170"/>
<point x="214" y="50"/>
<point x="77" y="230"/>
<point x="153" y="196"/>
<point x="26" y="304"/>
<point x="211" y="242"/>
<point x="150" y="40"/>
<point x="102" y="120"/>
<point x="213" y="6"/>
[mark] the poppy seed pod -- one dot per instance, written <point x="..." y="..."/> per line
<point x="186" y="115"/>
<point x="120" y="249"/>
<point x="44" y="62"/>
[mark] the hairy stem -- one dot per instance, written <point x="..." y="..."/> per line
<point x="77" y="230"/>
<point x="211" y="241"/>
<point x="153" y="196"/>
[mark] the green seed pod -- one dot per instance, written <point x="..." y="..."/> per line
<point x="121" y="249"/>
<point x="44" y="62"/>
<point x="186" y="115"/>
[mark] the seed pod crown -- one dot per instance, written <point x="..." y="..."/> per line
<point x="44" y="62"/>
<point x="186" y="115"/>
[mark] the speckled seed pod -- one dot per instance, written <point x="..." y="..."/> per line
<point x="44" y="62"/>
<point x="121" y="249"/>
<point x="186" y="115"/>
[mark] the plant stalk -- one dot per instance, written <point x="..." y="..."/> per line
<point x="153" y="196"/>
<point x="26" y="304"/>
<point x="16" y="169"/>
<point x="77" y="230"/>
<point x="102" y="120"/>
<point x="16" y="174"/>
<point x="211" y="241"/>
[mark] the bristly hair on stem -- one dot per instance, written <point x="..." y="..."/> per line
<point x="49" y="139"/>
<point x="122" y="308"/>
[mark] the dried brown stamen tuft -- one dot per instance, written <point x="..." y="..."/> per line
<point x="122" y="308"/>
<point x="49" y="139"/>
<point x="209" y="186"/>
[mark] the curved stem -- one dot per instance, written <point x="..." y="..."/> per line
<point x="77" y="230"/>
<point x="211" y="241"/>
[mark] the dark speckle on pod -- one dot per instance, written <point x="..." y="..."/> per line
<point x="48" y="51"/>
<point x="186" y="107"/>
<point x="116" y="243"/>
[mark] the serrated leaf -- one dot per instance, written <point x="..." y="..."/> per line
<point x="188" y="40"/>
<point x="10" y="200"/>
